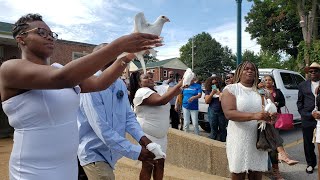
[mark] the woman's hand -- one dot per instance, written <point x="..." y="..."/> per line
<point x="214" y="91"/>
<point x="176" y="108"/>
<point x="272" y="118"/>
<point x="262" y="115"/>
<point x="137" y="42"/>
<point x="191" y="99"/>
<point x="316" y="114"/>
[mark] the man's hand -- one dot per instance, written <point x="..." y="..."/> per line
<point x="144" y="141"/>
<point x="146" y="155"/>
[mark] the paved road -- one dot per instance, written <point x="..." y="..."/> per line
<point x="294" y="146"/>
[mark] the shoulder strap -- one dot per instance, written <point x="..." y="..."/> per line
<point x="262" y="102"/>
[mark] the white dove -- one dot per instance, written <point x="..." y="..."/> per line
<point x="142" y="26"/>
<point x="269" y="107"/>
<point x="156" y="150"/>
<point x="187" y="77"/>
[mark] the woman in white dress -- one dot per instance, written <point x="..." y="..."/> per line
<point x="41" y="101"/>
<point x="242" y="105"/>
<point x="316" y="115"/>
<point x="153" y="113"/>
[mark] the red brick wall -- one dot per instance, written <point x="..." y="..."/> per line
<point x="11" y="51"/>
<point x="63" y="51"/>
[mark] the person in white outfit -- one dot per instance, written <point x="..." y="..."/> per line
<point x="152" y="107"/>
<point x="242" y="105"/>
<point x="41" y="101"/>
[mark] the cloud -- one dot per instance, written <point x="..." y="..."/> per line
<point x="226" y="34"/>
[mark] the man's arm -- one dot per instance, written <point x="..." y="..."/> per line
<point x="300" y="101"/>
<point x="93" y="108"/>
<point x="132" y="125"/>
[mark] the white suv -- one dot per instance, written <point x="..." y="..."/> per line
<point x="285" y="80"/>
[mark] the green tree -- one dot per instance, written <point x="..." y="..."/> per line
<point x="209" y="56"/>
<point x="228" y="60"/>
<point x="148" y="58"/>
<point x="270" y="60"/>
<point x="275" y="25"/>
<point x="250" y="56"/>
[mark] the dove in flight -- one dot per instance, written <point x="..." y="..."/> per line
<point x="142" y="26"/>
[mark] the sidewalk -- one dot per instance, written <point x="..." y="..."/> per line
<point x="126" y="168"/>
<point x="5" y="150"/>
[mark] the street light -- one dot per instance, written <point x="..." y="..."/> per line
<point x="192" y="54"/>
<point x="239" y="56"/>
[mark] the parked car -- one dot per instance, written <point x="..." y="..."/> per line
<point x="285" y="80"/>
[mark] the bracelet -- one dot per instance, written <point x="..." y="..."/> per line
<point x="124" y="63"/>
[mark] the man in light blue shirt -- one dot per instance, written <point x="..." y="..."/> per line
<point x="104" y="118"/>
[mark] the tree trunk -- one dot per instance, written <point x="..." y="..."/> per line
<point x="307" y="26"/>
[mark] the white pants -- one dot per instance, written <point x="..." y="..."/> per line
<point x="194" y="118"/>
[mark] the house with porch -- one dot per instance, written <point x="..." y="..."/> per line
<point x="161" y="68"/>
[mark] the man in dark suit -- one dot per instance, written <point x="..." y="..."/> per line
<point x="306" y="104"/>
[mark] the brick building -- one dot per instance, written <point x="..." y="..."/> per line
<point x="160" y="69"/>
<point x="64" y="51"/>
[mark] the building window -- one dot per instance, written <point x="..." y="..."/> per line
<point x="151" y="70"/>
<point x="76" y="55"/>
<point x="165" y="73"/>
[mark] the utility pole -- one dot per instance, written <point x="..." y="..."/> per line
<point x="192" y="52"/>
<point x="239" y="56"/>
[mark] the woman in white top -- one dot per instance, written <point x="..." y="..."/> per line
<point x="41" y="101"/>
<point x="242" y="105"/>
<point x="316" y="115"/>
<point x="153" y="113"/>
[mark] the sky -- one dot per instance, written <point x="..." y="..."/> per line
<point x="98" y="21"/>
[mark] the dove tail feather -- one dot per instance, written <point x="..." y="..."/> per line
<point x="153" y="52"/>
<point x="141" y="59"/>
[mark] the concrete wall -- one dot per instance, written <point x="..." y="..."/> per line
<point x="197" y="153"/>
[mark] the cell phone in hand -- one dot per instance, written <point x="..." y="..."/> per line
<point x="214" y="87"/>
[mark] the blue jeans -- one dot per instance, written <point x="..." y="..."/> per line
<point x="194" y="118"/>
<point x="218" y="125"/>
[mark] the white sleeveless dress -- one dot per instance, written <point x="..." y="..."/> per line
<point x="46" y="134"/>
<point x="243" y="156"/>
<point x="154" y="120"/>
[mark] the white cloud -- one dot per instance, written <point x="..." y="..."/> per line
<point x="226" y="34"/>
<point x="97" y="21"/>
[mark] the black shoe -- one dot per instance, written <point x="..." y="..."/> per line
<point x="309" y="169"/>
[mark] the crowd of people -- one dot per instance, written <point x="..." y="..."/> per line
<point x="77" y="115"/>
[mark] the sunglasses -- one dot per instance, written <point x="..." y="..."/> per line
<point x="42" y="32"/>
<point x="228" y="77"/>
<point x="313" y="71"/>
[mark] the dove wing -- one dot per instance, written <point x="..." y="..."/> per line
<point x="140" y="22"/>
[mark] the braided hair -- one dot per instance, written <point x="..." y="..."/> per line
<point x="22" y="23"/>
<point x="134" y="85"/>
<point x="240" y="69"/>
